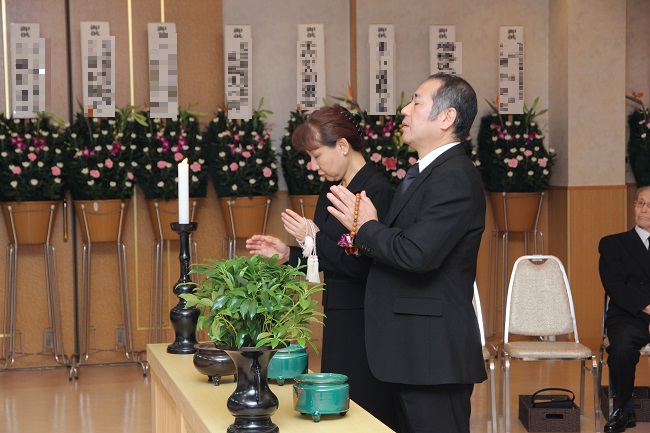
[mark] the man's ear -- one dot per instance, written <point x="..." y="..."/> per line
<point x="448" y="119"/>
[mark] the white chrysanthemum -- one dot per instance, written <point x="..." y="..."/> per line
<point x="160" y="184"/>
<point x="3" y="154"/>
<point x="545" y="172"/>
<point x="310" y="176"/>
<point x="510" y="174"/>
<point x="172" y="133"/>
<point x="91" y="182"/>
<point x="98" y="148"/>
<point x="112" y="184"/>
<point x="530" y="172"/>
<point x="505" y="160"/>
<point x="222" y="154"/>
<point x="271" y="182"/>
<point x="234" y="187"/>
<point x="121" y="164"/>
<point x="95" y="135"/>
<point x="517" y="122"/>
<point x="57" y="180"/>
<point x="242" y="163"/>
<point x="508" y="123"/>
<point x="13" y="183"/>
<point x="498" y="151"/>
<point x="259" y="161"/>
<point x="104" y="132"/>
<point x="195" y="179"/>
<point x="25" y="164"/>
<point x="40" y="164"/>
<point x="128" y="183"/>
<point x="148" y="167"/>
<point x="252" y="181"/>
<point x="28" y="136"/>
<point x="274" y="165"/>
<point x="224" y="168"/>
<point x="301" y="161"/>
<point x="513" y="150"/>
<point x="84" y="170"/>
<point x="519" y="157"/>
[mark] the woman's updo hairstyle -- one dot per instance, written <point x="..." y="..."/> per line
<point x="325" y="126"/>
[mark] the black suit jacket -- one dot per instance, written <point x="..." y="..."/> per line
<point x="345" y="275"/>
<point x="625" y="273"/>
<point x="421" y="328"/>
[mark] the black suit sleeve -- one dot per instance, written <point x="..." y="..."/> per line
<point x="627" y="287"/>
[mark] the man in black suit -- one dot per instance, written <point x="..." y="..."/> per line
<point x="625" y="274"/>
<point x="421" y="329"/>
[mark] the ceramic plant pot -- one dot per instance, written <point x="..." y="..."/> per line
<point x="321" y="393"/>
<point x="288" y="363"/>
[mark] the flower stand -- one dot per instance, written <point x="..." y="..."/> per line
<point x="244" y="217"/>
<point x="30" y="223"/>
<point x="101" y="221"/>
<point x="304" y="205"/>
<point x="513" y="212"/>
<point x="162" y="214"/>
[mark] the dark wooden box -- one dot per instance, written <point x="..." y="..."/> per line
<point x="548" y="419"/>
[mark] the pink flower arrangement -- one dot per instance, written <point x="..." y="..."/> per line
<point x="161" y="145"/>
<point x="100" y="155"/>
<point x="511" y="152"/>
<point x="32" y="159"/>
<point x="242" y="160"/>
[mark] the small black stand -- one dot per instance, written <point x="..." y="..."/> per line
<point x="184" y="319"/>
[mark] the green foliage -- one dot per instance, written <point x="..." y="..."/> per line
<point x="254" y="302"/>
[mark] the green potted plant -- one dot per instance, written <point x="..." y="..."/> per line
<point x="32" y="171"/>
<point x="243" y="169"/>
<point x="161" y="144"/>
<point x="100" y="170"/>
<point x="515" y="165"/>
<point x="251" y="307"/>
<point x="303" y="183"/>
<point x="638" y="144"/>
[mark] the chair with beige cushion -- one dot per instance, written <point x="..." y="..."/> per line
<point x="489" y="358"/>
<point x="539" y="304"/>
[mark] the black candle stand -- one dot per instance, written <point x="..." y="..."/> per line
<point x="184" y="319"/>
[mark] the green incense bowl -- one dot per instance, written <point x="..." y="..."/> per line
<point x="321" y="393"/>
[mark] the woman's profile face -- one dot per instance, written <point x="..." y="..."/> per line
<point x="330" y="162"/>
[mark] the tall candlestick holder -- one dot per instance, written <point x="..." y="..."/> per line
<point x="184" y="319"/>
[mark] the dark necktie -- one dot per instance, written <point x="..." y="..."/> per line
<point x="410" y="175"/>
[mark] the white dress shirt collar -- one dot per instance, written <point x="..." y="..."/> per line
<point x="431" y="156"/>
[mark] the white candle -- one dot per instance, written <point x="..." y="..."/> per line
<point x="183" y="193"/>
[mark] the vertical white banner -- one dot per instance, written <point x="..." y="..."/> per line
<point x="238" y="52"/>
<point x="98" y="69"/>
<point x="445" y="54"/>
<point x="311" y="66"/>
<point x="511" y="70"/>
<point x="381" y="38"/>
<point x="27" y="70"/>
<point x="163" y="70"/>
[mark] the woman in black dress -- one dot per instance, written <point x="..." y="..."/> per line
<point x="331" y="136"/>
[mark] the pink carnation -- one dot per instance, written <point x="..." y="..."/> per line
<point x="267" y="172"/>
<point x="178" y="156"/>
<point x="56" y="171"/>
<point x="528" y="152"/>
<point x="246" y="154"/>
<point x="375" y="157"/>
<point x="94" y="174"/>
<point x="108" y="163"/>
<point x="542" y="162"/>
<point x="400" y="173"/>
<point x="161" y="164"/>
<point x="390" y="163"/>
<point x="512" y="162"/>
<point x="16" y="170"/>
<point x="234" y="166"/>
<point x="129" y="175"/>
<point x="195" y="167"/>
<point x="32" y="156"/>
<point x="412" y="161"/>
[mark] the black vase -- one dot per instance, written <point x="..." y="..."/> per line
<point x="252" y="403"/>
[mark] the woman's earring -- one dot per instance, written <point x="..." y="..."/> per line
<point x="345" y="153"/>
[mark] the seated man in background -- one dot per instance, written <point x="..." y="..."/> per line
<point x="625" y="273"/>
